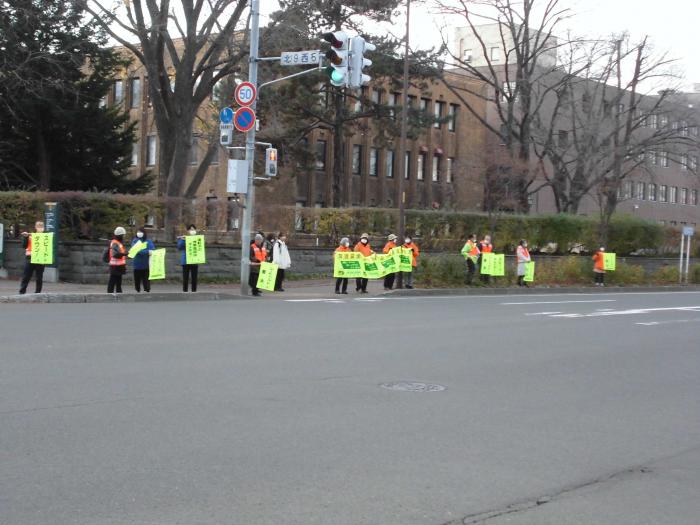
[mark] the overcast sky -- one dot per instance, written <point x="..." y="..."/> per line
<point x="671" y="24"/>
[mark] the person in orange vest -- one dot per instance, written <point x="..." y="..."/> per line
<point x="470" y="252"/>
<point x="485" y="246"/>
<point x="342" y="282"/>
<point x="29" y="268"/>
<point x="390" y="245"/>
<point x="408" y="276"/>
<point x="117" y="261"/>
<point x="599" y="266"/>
<point x="522" y="256"/>
<point x="258" y="255"/>
<point x="365" y="249"/>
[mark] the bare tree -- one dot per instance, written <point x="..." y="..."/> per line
<point x="186" y="48"/>
<point x="517" y="68"/>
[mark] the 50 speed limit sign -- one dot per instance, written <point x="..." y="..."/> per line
<point x="245" y="94"/>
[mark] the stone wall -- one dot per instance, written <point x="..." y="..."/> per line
<point x="81" y="262"/>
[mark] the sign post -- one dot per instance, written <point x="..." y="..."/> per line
<point x="52" y="225"/>
<point x="3" y="272"/>
<point x="687" y="233"/>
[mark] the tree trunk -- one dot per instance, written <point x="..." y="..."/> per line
<point x="43" y="163"/>
<point x="175" y="161"/>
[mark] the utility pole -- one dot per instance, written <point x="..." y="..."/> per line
<point x="402" y="141"/>
<point x="248" y="210"/>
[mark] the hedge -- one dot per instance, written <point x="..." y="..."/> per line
<point x="94" y="215"/>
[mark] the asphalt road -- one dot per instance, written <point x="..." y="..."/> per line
<point x="558" y="409"/>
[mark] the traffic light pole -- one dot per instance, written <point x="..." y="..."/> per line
<point x="402" y="141"/>
<point x="248" y="211"/>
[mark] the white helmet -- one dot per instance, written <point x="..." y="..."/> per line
<point x="119" y="231"/>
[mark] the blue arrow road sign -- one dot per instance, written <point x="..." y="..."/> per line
<point x="226" y="115"/>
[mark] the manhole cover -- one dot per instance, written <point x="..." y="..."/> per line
<point x="411" y="386"/>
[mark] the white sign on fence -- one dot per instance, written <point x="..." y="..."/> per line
<point x="237" y="176"/>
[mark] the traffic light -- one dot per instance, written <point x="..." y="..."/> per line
<point x="337" y="55"/>
<point x="271" y="162"/>
<point x="358" y="62"/>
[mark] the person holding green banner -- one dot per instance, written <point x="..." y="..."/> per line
<point x="389" y="278"/>
<point x="342" y="282"/>
<point x="143" y="246"/>
<point x="188" y="270"/>
<point x="599" y="266"/>
<point x="470" y="252"/>
<point x="408" y="244"/>
<point x="365" y="249"/>
<point x="522" y="256"/>
<point x="29" y="268"/>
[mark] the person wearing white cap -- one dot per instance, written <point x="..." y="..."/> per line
<point x="390" y="245"/>
<point x="599" y="266"/>
<point x="364" y="248"/>
<point x="117" y="261"/>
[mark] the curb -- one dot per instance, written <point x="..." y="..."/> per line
<point x="119" y="298"/>
<point x="428" y="292"/>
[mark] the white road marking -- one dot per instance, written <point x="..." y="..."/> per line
<point x="370" y="299"/>
<point x="655" y="323"/>
<point x="544" y="313"/>
<point x="313" y="301"/>
<point x="633" y="311"/>
<point x="563" y="302"/>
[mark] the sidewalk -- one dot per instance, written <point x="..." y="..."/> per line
<point x="305" y="289"/>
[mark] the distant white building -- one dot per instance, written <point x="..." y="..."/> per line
<point x="494" y="45"/>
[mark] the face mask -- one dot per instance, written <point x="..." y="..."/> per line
<point x="40" y="230"/>
<point x="139" y="235"/>
<point x="346" y="244"/>
<point x="193" y="232"/>
<point x="525" y="245"/>
<point x="364" y="241"/>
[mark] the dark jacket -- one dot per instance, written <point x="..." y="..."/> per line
<point x="141" y="259"/>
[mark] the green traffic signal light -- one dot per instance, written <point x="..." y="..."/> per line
<point x="337" y="77"/>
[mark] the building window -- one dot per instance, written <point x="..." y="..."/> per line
<point x="452" y="123"/>
<point x="437" y="111"/>
<point x="424" y="104"/>
<point x="673" y="195"/>
<point x="663" y="159"/>
<point x="693" y="197"/>
<point x="627" y="194"/>
<point x="684" y="195"/>
<point x="151" y="150"/>
<point x="467" y="55"/>
<point x="651" y="157"/>
<point x="389" y="164"/>
<point x="563" y="139"/>
<point x="663" y="120"/>
<point x="662" y="193"/>
<point x="373" y="162"/>
<point x="194" y="151"/>
<point x="135" y="154"/>
<point x="694" y="131"/>
<point x="356" y="159"/>
<point x="693" y="162"/>
<point x="118" y="91"/>
<point x="653" y="121"/>
<point x="684" y="128"/>
<point x="651" y="192"/>
<point x="448" y="170"/>
<point x="420" y="168"/>
<point x="321" y="155"/>
<point x="392" y="102"/>
<point x="407" y="165"/>
<point x="684" y="161"/>
<point x="641" y="191"/>
<point x="135" y="92"/>
<point x="495" y="54"/>
<point x="298" y="216"/>
<point x="376" y="96"/>
<point x="436" y="168"/>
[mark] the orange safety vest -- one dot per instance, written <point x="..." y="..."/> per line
<point x="414" y="248"/>
<point x="486" y="248"/>
<point x="389" y="246"/>
<point x="343" y="249"/>
<point x="522" y="252"/>
<point x="113" y="261"/>
<point x="598" y="260"/>
<point x="364" y="249"/>
<point x="260" y="253"/>
<point x="28" y="251"/>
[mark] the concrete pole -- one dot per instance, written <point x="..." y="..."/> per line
<point x="248" y="211"/>
<point x="402" y="141"/>
<point x="687" y="261"/>
<point x="680" y="260"/>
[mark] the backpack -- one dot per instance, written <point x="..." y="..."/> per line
<point x="106" y="254"/>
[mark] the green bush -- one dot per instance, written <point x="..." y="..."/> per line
<point x="665" y="275"/>
<point x="626" y="274"/>
<point x="694" y="274"/>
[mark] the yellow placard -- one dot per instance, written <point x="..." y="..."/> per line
<point x="609" y="262"/>
<point x="498" y="268"/>
<point x="348" y="264"/>
<point x="42" y="248"/>
<point x="136" y="248"/>
<point x="156" y="265"/>
<point x="405" y="260"/>
<point x="194" y="249"/>
<point x="267" y="276"/>
<point x="529" y="272"/>
<point x="486" y="263"/>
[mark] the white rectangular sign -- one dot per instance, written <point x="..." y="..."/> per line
<point x="300" y="58"/>
<point x="237" y="176"/>
<point x="689" y="231"/>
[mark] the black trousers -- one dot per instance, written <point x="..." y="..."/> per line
<point x="189" y="270"/>
<point x="361" y="284"/>
<point x="29" y="269"/>
<point x="389" y="281"/>
<point x="253" y="282"/>
<point x="341" y="281"/>
<point x="141" y="277"/>
<point x="115" y="283"/>
<point x="279" y="280"/>
<point x="599" y="277"/>
<point x="471" y="269"/>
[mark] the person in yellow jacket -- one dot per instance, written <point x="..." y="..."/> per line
<point x="470" y="252"/>
<point x="390" y="245"/>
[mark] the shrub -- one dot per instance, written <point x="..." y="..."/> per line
<point x="627" y="274"/>
<point x="694" y="274"/>
<point x="665" y="275"/>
